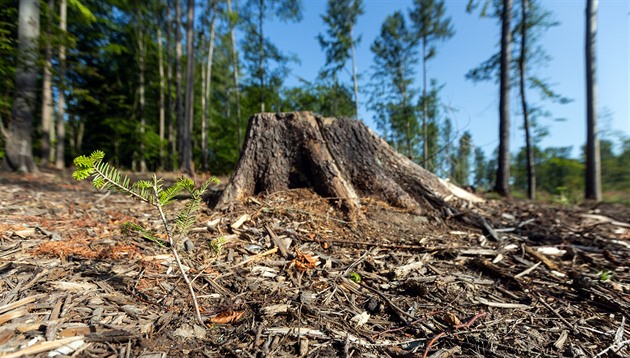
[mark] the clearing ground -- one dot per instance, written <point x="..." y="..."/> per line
<point x="285" y="274"/>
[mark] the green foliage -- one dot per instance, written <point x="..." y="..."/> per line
<point x="392" y="95"/>
<point x="266" y="64"/>
<point x="461" y="167"/>
<point x="340" y="18"/>
<point x="605" y="275"/>
<point x="216" y="245"/>
<point x="354" y="277"/>
<point x="8" y="51"/>
<point x="327" y="100"/>
<point x="152" y="192"/>
<point x="430" y="24"/>
<point x="129" y="228"/>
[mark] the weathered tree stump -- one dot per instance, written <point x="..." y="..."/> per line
<point x="338" y="158"/>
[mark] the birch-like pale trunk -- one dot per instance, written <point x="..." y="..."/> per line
<point x="18" y="145"/>
<point x="47" y="101"/>
<point x="141" y="92"/>
<point x="237" y="92"/>
<point x="179" y="99"/>
<point x="187" y="164"/>
<point x="207" y="91"/>
<point x="172" y="139"/>
<point x="593" y="189"/>
<point x="61" y="104"/>
<point x="354" y="77"/>
<point x="161" y="98"/>
<point x="261" y="49"/>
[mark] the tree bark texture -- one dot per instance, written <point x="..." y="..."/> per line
<point x="47" y="103"/>
<point x="339" y="158"/>
<point x="141" y="91"/>
<point x="531" y="170"/>
<point x="172" y="141"/>
<point x="179" y="98"/>
<point x="162" y="112"/>
<point x="18" y="145"/>
<point x="503" y="168"/>
<point x="237" y="92"/>
<point x="207" y="90"/>
<point x="593" y="162"/>
<point x="261" y="59"/>
<point x="187" y="164"/>
<point x="60" y="151"/>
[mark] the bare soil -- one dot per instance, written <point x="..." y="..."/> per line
<point x="293" y="278"/>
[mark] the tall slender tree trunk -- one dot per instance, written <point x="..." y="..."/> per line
<point x="237" y="92"/>
<point x="207" y="91"/>
<point x="593" y="162"/>
<point x="354" y="76"/>
<point x="261" y="44"/>
<point x="18" y="145"/>
<point x="425" y="127"/>
<point x="531" y="170"/>
<point x="47" y="103"/>
<point x="162" y="112"/>
<point x="502" y="186"/>
<point x="172" y="141"/>
<point x="179" y="99"/>
<point x="141" y="90"/>
<point x="204" y="110"/>
<point x="187" y="161"/>
<point x="61" y="126"/>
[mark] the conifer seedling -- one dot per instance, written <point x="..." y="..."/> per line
<point x="152" y="192"/>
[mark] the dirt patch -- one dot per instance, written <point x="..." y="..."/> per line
<point x="286" y="275"/>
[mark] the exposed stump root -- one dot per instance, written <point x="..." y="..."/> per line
<point x="338" y="158"/>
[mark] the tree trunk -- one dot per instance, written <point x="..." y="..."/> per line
<point x="61" y="112"/>
<point x="141" y="89"/>
<point x="206" y="95"/>
<point x="425" y="127"/>
<point x="47" y="103"/>
<point x="179" y="99"/>
<point x="355" y="79"/>
<point x="261" y="60"/>
<point x="187" y="161"/>
<point x="593" y="162"/>
<point x="340" y="159"/>
<point x="162" y="112"/>
<point x="172" y="142"/>
<point x="18" y="145"/>
<point x="531" y="171"/>
<point x="502" y="186"/>
<point x="237" y="92"/>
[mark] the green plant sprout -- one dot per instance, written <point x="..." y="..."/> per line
<point x="216" y="245"/>
<point x="354" y="277"/>
<point x="153" y="193"/>
<point x="605" y="275"/>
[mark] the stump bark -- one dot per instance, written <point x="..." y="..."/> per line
<point x="338" y="158"/>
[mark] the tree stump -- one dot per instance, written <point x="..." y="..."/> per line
<point x="338" y="158"/>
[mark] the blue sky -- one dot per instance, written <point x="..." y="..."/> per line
<point x="475" y="41"/>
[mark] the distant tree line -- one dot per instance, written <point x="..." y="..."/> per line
<point x="166" y="85"/>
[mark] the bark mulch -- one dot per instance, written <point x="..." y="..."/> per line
<point x="285" y="274"/>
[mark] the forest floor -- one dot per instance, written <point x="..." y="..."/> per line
<point x="286" y="275"/>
